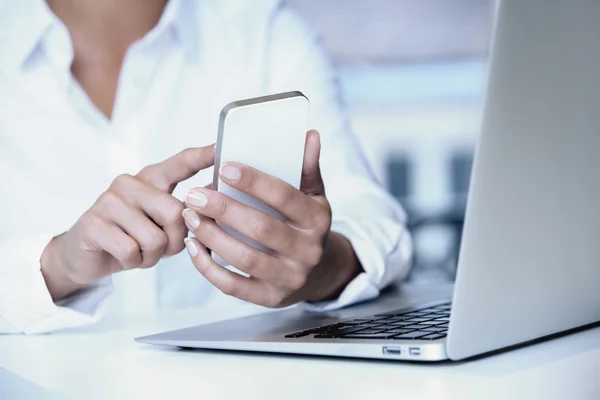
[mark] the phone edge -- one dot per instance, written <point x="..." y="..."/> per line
<point x="242" y="103"/>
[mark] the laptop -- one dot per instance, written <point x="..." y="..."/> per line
<point x="529" y="263"/>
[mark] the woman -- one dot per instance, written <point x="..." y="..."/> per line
<point x="98" y="101"/>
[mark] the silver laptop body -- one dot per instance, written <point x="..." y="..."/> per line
<point x="529" y="263"/>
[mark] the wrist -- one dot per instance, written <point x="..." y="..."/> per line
<point x="338" y="267"/>
<point x="54" y="271"/>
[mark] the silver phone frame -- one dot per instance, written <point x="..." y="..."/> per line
<point x="237" y="104"/>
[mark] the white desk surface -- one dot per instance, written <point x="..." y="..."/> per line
<point x="104" y="362"/>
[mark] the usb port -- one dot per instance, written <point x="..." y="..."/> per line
<point x="393" y="351"/>
<point x="414" y="351"/>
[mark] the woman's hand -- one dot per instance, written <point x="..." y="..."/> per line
<point x="307" y="262"/>
<point x="133" y="224"/>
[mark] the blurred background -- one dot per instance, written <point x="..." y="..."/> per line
<point x="412" y="74"/>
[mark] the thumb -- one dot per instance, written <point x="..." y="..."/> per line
<point x="312" y="183"/>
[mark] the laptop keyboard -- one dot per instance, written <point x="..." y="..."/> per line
<point x="429" y="323"/>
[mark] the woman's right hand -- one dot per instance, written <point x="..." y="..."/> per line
<point x="134" y="224"/>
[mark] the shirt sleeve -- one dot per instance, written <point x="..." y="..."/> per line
<point x="25" y="303"/>
<point x="363" y="211"/>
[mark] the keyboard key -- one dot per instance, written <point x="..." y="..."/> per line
<point x="399" y="331"/>
<point x="444" y="325"/>
<point x="358" y="335"/>
<point x="351" y="323"/>
<point x="326" y="327"/>
<point x="381" y="327"/>
<point x="413" y="314"/>
<point x="297" y="335"/>
<point x="410" y="335"/>
<point x="433" y="329"/>
<point x="356" y="321"/>
<point x="430" y="322"/>
<point x="370" y="331"/>
<point x="442" y="319"/>
<point x="417" y="326"/>
<point x="301" y="333"/>
<point x="400" y="323"/>
<point x="417" y="320"/>
<point x="346" y="330"/>
<point x="399" y="318"/>
<point x="391" y="313"/>
<point x="397" y="321"/>
<point x="433" y="336"/>
<point x="381" y="318"/>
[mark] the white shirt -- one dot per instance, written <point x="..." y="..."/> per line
<point x="58" y="153"/>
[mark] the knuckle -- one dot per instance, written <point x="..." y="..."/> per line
<point x="323" y="224"/>
<point x="154" y="175"/>
<point x="208" y="231"/>
<point x="89" y="223"/>
<point x="147" y="264"/>
<point x="172" y="210"/>
<point x="203" y="267"/>
<point x="221" y="206"/>
<point x="323" y="219"/>
<point x="122" y="181"/>
<point x="147" y="171"/>
<point x="297" y="280"/>
<point x="156" y="240"/>
<point x="230" y="288"/>
<point x="249" y="260"/>
<point x="275" y="300"/>
<point x="189" y="158"/>
<point x="313" y="255"/>
<point x="283" y="195"/>
<point x="250" y="179"/>
<point x="174" y="247"/>
<point x="108" y="198"/>
<point x="129" y="251"/>
<point x="263" y="228"/>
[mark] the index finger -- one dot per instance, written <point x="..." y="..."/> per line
<point x="167" y="174"/>
<point x="274" y="192"/>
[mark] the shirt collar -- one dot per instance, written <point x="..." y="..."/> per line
<point x="25" y="22"/>
<point x="182" y="14"/>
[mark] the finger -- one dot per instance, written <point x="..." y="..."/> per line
<point x="312" y="182"/>
<point x="167" y="174"/>
<point x="106" y="236"/>
<point x="151" y="239"/>
<point x="277" y="194"/>
<point x="242" y="256"/>
<point x="228" y="282"/>
<point x="164" y="209"/>
<point x="250" y="222"/>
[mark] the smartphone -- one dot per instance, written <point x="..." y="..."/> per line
<point x="267" y="133"/>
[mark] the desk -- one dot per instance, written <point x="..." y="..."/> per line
<point x="103" y="362"/>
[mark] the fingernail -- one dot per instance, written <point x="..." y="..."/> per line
<point x="191" y="246"/>
<point x="192" y="219"/>
<point x="230" y="172"/>
<point x="196" y="198"/>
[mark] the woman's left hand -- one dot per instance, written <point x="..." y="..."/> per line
<point x="306" y="262"/>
